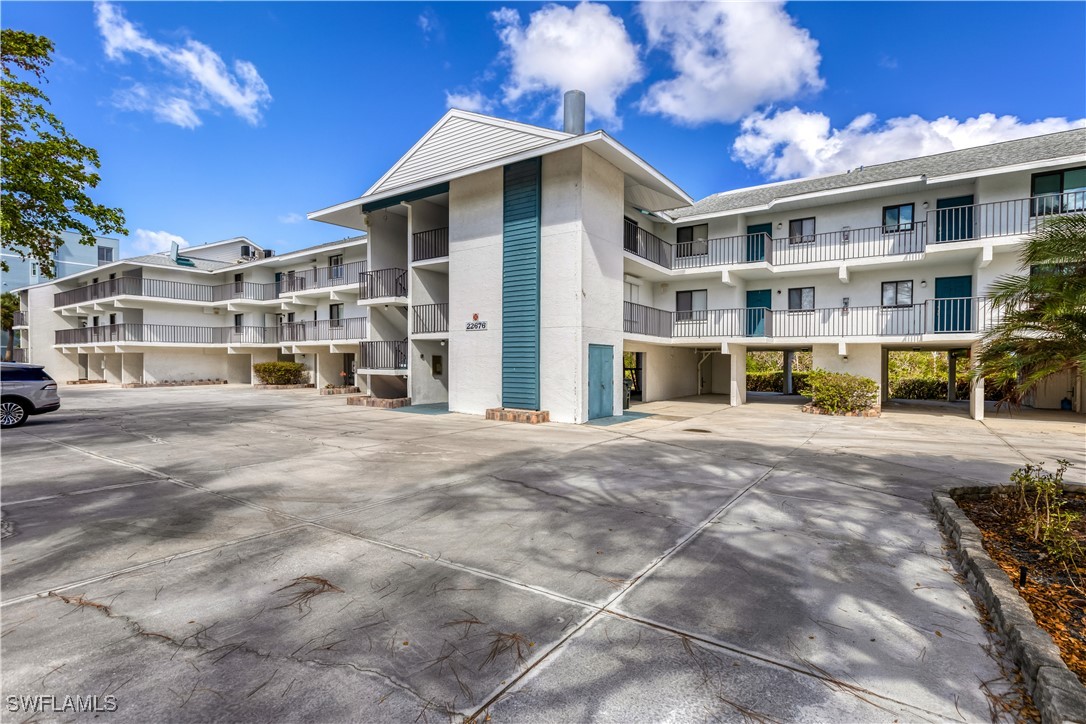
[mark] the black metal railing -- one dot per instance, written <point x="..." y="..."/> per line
<point x="430" y="318"/>
<point x="382" y="355"/>
<point x="382" y="283"/>
<point x="324" y="330"/>
<point x="848" y="244"/>
<point x="293" y="282"/>
<point x="165" y="289"/>
<point x="19" y="319"/>
<point x="244" y="290"/>
<point x="1000" y="218"/>
<point x="432" y="244"/>
<point x="935" y="316"/>
<point x="647" y="245"/>
<point x="167" y="334"/>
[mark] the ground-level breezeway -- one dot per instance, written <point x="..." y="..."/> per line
<point x="280" y="554"/>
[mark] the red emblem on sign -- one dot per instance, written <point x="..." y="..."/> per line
<point x="475" y="317"/>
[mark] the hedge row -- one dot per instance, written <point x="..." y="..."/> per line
<point x="280" y="373"/>
<point x="838" y="392"/>
<point x="931" y="388"/>
<point x="774" y="382"/>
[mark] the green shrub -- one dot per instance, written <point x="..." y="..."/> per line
<point x="280" y="373"/>
<point x="774" y="382"/>
<point x="930" y="388"/>
<point x="837" y="392"/>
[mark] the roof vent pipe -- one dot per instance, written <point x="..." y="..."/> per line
<point x="573" y="105"/>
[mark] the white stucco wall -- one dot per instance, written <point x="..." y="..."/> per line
<point x="668" y="372"/>
<point x="475" y="287"/>
<point x="426" y="386"/>
<point x="862" y="359"/>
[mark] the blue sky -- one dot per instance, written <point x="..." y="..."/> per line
<point x="221" y="119"/>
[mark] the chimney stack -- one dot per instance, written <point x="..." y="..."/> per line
<point x="573" y="105"/>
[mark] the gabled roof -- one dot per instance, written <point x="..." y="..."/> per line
<point x="461" y="140"/>
<point x="1052" y="146"/>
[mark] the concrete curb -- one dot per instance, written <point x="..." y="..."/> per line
<point x="1057" y="692"/>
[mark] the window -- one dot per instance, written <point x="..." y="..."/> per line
<point x="801" y="231"/>
<point x="801" y="298"/>
<point x="335" y="262"/>
<point x="112" y="319"/>
<point x="246" y="250"/>
<point x="335" y="315"/>
<point x="691" y="305"/>
<point x="239" y="322"/>
<point x="897" y="218"/>
<point x="105" y="254"/>
<point x="290" y="317"/>
<point x="692" y="240"/>
<point x="897" y="294"/>
<point x="1058" y="192"/>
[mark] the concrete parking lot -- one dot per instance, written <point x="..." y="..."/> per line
<point x="234" y="554"/>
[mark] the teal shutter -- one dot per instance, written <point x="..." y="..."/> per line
<point x="520" y="285"/>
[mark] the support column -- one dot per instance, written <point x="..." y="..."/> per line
<point x="952" y="377"/>
<point x="885" y="374"/>
<point x="788" y="355"/>
<point x="976" y="390"/>
<point x="737" y="386"/>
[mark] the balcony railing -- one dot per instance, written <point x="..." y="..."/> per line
<point x="430" y="318"/>
<point x="167" y="334"/>
<point x="19" y="319"/>
<point x="165" y="289"/>
<point x="432" y="244"/>
<point x="935" y="316"/>
<point x="324" y="330"/>
<point x="383" y="355"/>
<point x="329" y="276"/>
<point x="1000" y="218"/>
<point x="382" y="283"/>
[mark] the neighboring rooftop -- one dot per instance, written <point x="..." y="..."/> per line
<point x="163" y="259"/>
<point x="1007" y="153"/>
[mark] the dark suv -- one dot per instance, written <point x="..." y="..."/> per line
<point x="25" y="390"/>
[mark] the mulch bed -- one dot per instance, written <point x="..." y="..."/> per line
<point x="1054" y="592"/>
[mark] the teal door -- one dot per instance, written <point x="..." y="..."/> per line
<point x="953" y="304"/>
<point x="758" y="301"/>
<point x="601" y="381"/>
<point x="954" y="219"/>
<point x="756" y="240"/>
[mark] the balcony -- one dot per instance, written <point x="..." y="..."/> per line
<point x="1001" y="218"/>
<point x="164" y="289"/>
<point x="383" y="355"/>
<point x="383" y="284"/>
<point x="430" y="318"/>
<point x="962" y="223"/>
<point x="294" y="282"/>
<point x="967" y="315"/>
<point x="324" y="330"/>
<point x="19" y="320"/>
<point x="167" y="334"/>
<point x="433" y="244"/>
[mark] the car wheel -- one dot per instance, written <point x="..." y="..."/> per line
<point x="12" y="413"/>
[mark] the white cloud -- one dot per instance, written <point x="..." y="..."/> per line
<point x="562" y="48"/>
<point x="205" y="81"/>
<point x="144" y="241"/>
<point x="729" y="59"/>
<point x="469" y="101"/>
<point x="430" y="25"/>
<point x="792" y="143"/>
<point x="291" y="218"/>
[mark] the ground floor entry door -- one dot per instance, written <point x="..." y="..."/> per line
<point x="601" y="381"/>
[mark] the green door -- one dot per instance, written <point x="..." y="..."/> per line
<point x="601" y="381"/>
<point x="954" y="219"/>
<point x="758" y="301"/>
<point x="953" y="304"/>
<point x="756" y="241"/>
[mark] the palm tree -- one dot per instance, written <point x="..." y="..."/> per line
<point x="9" y="305"/>
<point x="1043" y="329"/>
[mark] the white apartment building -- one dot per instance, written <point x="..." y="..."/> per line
<point x="507" y="265"/>
<point x="201" y="313"/>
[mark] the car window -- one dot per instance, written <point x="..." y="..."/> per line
<point x="23" y="374"/>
